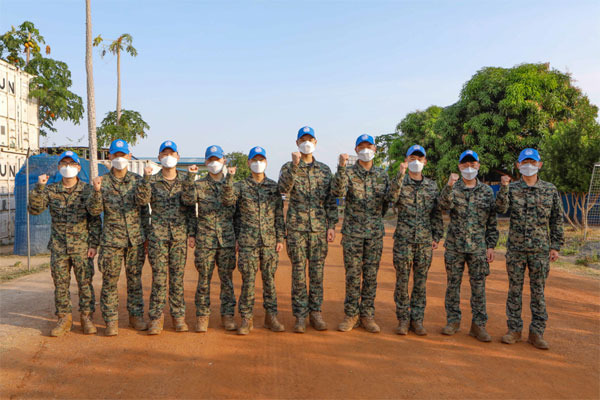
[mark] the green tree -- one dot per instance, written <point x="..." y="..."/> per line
<point x="239" y="160"/>
<point x="52" y="78"/>
<point x="130" y="128"/>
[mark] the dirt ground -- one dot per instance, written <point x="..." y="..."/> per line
<point x="328" y="364"/>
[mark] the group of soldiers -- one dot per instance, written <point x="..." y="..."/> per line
<point x="242" y="224"/>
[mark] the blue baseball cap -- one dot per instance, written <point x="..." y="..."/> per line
<point x="69" y="153"/>
<point x="306" y="130"/>
<point x="468" y="153"/>
<point x="119" y="145"/>
<point x="415" y="148"/>
<point x="214" y="151"/>
<point x="168" y="145"/>
<point x="365" y="138"/>
<point x="257" y="151"/>
<point x="529" y="153"/>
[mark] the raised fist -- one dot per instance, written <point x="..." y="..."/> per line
<point x="193" y="169"/>
<point x="505" y="180"/>
<point x="452" y="179"/>
<point x="296" y="157"/>
<point x="231" y="170"/>
<point x="97" y="183"/>
<point x="403" y="167"/>
<point x="147" y="170"/>
<point x="343" y="160"/>
<point x="43" y="179"/>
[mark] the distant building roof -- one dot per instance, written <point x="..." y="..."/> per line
<point x="182" y="161"/>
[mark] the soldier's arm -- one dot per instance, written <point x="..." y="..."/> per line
<point x="95" y="228"/>
<point x="188" y="194"/>
<point x="190" y="218"/>
<point x="38" y="199"/>
<point x="503" y="200"/>
<point x="339" y="185"/>
<point x="279" y="221"/>
<point x="95" y="203"/>
<point x="143" y="191"/>
<point x="437" y="222"/>
<point x="286" y="178"/>
<point x="556" y="223"/>
<point x="491" y="228"/>
<point x="145" y="215"/>
<point x="229" y="194"/>
<point x="447" y="198"/>
<point x="237" y="222"/>
<point x="386" y="202"/>
<point x="396" y="188"/>
<point x="331" y="209"/>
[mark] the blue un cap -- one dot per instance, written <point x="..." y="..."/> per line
<point x="306" y="130"/>
<point x="69" y="153"/>
<point x="119" y="145"/>
<point x="415" y="148"/>
<point x="365" y="138"/>
<point x="257" y="151"/>
<point x="529" y="153"/>
<point x="214" y="151"/>
<point x="168" y="145"/>
<point x="468" y="153"/>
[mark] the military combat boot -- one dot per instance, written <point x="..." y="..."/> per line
<point x="228" y="322"/>
<point x="316" y="321"/>
<point x="369" y="324"/>
<point x="112" y="328"/>
<point x="300" y="326"/>
<point x="451" y="328"/>
<point x="538" y="341"/>
<point x="137" y="323"/>
<point x="480" y="333"/>
<point x="202" y="323"/>
<point x="246" y="326"/>
<point x="180" y="325"/>
<point x="511" y="337"/>
<point x="418" y="328"/>
<point x="156" y="326"/>
<point x="349" y="323"/>
<point x="272" y="323"/>
<point x="402" y="328"/>
<point x="63" y="325"/>
<point x="86" y="323"/>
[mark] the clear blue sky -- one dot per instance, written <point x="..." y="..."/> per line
<point x="241" y="74"/>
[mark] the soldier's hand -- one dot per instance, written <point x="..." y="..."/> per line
<point x="146" y="247"/>
<point x="147" y="170"/>
<point x="434" y="245"/>
<point x="278" y="247"/>
<point x="490" y="255"/>
<point x="403" y="167"/>
<point x="193" y="169"/>
<point x="97" y="183"/>
<point x="231" y="170"/>
<point x="452" y="180"/>
<point x="191" y="242"/>
<point x="43" y="179"/>
<point x="505" y="180"/>
<point x="92" y="252"/>
<point x="343" y="160"/>
<point x="330" y="235"/>
<point x="237" y="247"/>
<point x="296" y="157"/>
<point x="553" y="255"/>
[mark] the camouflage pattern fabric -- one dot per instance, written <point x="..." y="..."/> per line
<point x="206" y="259"/>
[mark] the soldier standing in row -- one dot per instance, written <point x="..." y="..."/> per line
<point x="74" y="238"/>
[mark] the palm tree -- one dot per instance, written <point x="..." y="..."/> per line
<point x="91" y="103"/>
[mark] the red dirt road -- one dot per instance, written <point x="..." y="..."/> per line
<point x="331" y="364"/>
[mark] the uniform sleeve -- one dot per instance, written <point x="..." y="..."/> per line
<point x="556" y="223"/>
<point x="503" y="200"/>
<point x="339" y="184"/>
<point x="437" y="221"/>
<point x="237" y="220"/>
<point x="229" y="195"/>
<point x="95" y="228"/>
<point x="95" y="203"/>
<point x="190" y="218"/>
<point x="491" y="228"/>
<point x="286" y="177"/>
<point x="145" y="215"/>
<point x="396" y="188"/>
<point x="38" y="199"/>
<point x="386" y="202"/>
<point x="331" y="209"/>
<point x="279" y="221"/>
<point x="143" y="191"/>
<point x="447" y="198"/>
<point x="188" y="195"/>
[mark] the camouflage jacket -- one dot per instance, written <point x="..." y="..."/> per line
<point x="419" y="212"/>
<point x="74" y="229"/>
<point x="170" y="218"/>
<point x="259" y="214"/>
<point x="126" y="216"/>
<point x="473" y="225"/>
<point x="312" y="207"/>
<point x="366" y="199"/>
<point x="536" y="216"/>
<point x="214" y="224"/>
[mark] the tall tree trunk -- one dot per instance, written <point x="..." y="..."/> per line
<point x="91" y="103"/>
<point x="118" y="86"/>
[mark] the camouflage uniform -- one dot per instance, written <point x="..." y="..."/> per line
<point x="126" y="221"/>
<point x="73" y="232"/>
<point x="171" y="224"/>
<point x="419" y="224"/>
<point x="472" y="230"/>
<point x="536" y="227"/>
<point x="215" y="241"/>
<point x="259" y="227"/>
<point x="366" y="202"/>
<point x="312" y="210"/>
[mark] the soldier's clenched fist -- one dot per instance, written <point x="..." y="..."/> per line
<point x="97" y="183"/>
<point x="193" y="169"/>
<point x="231" y="170"/>
<point x="505" y="180"/>
<point x="452" y="179"/>
<point x="296" y="157"/>
<point x="43" y="179"/>
<point x="343" y="160"/>
<point x="148" y="170"/>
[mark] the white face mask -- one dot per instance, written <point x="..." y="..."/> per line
<point x="168" y="161"/>
<point x="120" y="163"/>
<point x="366" y="155"/>
<point x="469" y="173"/>
<point x="69" y="172"/>
<point x="258" y="167"/>
<point x="415" y="166"/>
<point x="528" y="169"/>
<point x="306" y="147"/>
<point x="214" y="167"/>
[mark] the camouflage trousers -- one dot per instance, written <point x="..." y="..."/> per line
<point x="417" y="257"/>
<point x="205" y="261"/>
<point x="539" y="267"/>
<point x="478" y="270"/>
<point x="167" y="256"/>
<point x="361" y="260"/>
<point x="303" y="247"/>
<point x="83" y="268"/>
<point x="249" y="260"/>
<point x="111" y="259"/>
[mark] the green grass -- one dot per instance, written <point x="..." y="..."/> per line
<point x="18" y="270"/>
